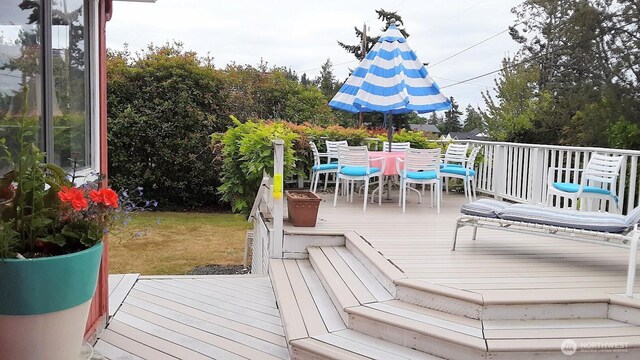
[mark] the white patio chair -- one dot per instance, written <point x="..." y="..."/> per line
<point x="320" y="168"/>
<point x="455" y="154"/>
<point x="598" y="181"/>
<point x="464" y="172"/>
<point x="421" y="166"/>
<point x="353" y="165"/>
<point x="332" y="149"/>
<point x="396" y="146"/>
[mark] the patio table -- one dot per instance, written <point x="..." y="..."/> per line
<point x="390" y="161"/>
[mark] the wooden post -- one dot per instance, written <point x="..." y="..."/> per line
<point x="278" y="200"/>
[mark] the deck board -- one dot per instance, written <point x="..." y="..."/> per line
<point x="195" y="318"/>
<point x="419" y="243"/>
<point x="119" y="290"/>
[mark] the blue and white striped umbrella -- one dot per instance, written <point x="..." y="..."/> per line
<point x="390" y="80"/>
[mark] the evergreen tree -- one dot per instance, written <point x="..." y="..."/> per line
<point x="304" y="80"/>
<point x="386" y="17"/>
<point x="451" y="121"/>
<point x="327" y="81"/>
<point x="434" y="119"/>
<point x="473" y="120"/>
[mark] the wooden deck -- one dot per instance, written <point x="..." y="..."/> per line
<point x="498" y="265"/>
<point x="380" y="284"/>
<point x="192" y="317"/>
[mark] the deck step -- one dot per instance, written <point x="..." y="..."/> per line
<point x="383" y="270"/>
<point x="440" y="334"/>
<point x="456" y="337"/>
<point x="349" y="344"/>
<point x="347" y="281"/>
<point x="336" y="305"/>
<point x="504" y="305"/>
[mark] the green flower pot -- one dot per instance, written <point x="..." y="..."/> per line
<point x="44" y="304"/>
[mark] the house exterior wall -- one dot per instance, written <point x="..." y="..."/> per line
<point x="99" y="310"/>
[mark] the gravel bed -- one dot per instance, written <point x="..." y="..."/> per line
<point x="220" y="270"/>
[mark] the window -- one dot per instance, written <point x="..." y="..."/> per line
<point x="45" y="77"/>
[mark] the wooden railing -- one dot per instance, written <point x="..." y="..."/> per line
<point x="518" y="172"/>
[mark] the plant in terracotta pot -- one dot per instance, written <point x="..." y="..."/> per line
<point x="302" y="206"/>
<point x="50" y="250"/>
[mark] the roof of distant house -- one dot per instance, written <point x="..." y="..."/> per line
<point x="425" y="127"/>
<point x="475" y="134"/>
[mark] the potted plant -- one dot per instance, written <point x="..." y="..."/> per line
<point x="50" y="250"/>
<point x="302" y="206"/>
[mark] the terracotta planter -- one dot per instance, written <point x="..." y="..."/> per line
<point x="303" y="207"/>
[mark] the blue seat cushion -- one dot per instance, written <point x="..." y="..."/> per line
<point x="458" y="170"/>
<point x="585" y="220"/>
<point x="452" y="165"/>
<point x="421" y="175"/>
<point x="484" y="207"/>
<point x="325" y="167"/>
<point x="358" y="170"/>
<point x="573" y="188"/>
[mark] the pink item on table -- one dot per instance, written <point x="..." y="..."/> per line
<point x="390" y="158"/>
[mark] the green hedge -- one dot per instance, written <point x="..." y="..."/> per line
<point x="247" y="152"/>
<point x="161" y="112"/>
<point x="247" y="149"/>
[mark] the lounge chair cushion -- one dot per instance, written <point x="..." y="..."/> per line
<point x="633" y="217"/>
<point x="585" y="220"/>
<point x="484" y="207"/>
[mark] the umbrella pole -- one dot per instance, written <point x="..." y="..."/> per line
<point x="388" y="119"/>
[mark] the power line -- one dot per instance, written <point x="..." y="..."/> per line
<point x="536" y="57"/>
<point x="334" y="65"/>
<point x="469" y="48"/>
<point x="449" y="18"/>
<point x="453" y="80"/>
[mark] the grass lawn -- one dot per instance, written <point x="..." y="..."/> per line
<point x="178" y="243"/>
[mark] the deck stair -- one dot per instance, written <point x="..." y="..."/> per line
<point x="349" y="302"/>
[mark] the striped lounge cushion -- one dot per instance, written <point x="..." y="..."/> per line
<point x="484" y="207"/>
<point x="585" y="220"/>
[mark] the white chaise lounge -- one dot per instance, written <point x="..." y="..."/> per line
<point x="605" y="228"/>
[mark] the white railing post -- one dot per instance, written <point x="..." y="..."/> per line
<point x="499" y="172"/>
<point x="278" y="201"/>
<point x="537" y="176"/>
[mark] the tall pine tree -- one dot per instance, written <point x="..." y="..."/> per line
<point x="386" y="17"/>
<point x="451" y="119"/>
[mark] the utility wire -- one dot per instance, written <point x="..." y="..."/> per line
<point x="453" y="80"/>
<point x="535" y="57"/>
<point x="449" y="18"/>
<point x="469" y="48"/>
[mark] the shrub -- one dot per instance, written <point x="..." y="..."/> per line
<point x="247" y="152"/>
<point x="162" y="110"/>
<point x="417" y="139"/>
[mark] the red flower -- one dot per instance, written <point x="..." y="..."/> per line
<point x="107" y="197"/>
<point x="74" y="196"/>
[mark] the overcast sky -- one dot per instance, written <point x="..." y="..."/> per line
<point x="303" y="34"/>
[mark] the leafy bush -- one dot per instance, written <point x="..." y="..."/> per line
<point x="416" y="138"/>
<point x="247" y="152"/>
<point x="162" y="109"/>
